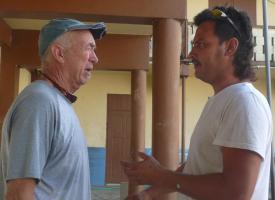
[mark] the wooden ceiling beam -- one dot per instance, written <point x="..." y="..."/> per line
<point x="123" y="11"/>
<point x="5" y="33"/>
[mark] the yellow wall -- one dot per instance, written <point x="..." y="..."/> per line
<point x="271" y="12"/>
<point x="91" y="105"/>
<point x="24" y="79"/>
<point x="194" y="7"/>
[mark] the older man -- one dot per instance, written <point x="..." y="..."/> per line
<point x="44" y="152"/>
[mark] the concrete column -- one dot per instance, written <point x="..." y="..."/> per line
<point x="8" y="72"/>
<point x="138" y="88"/>
<point x="166" y="74"/>
<point x="9" y="78"/>
<point x="0" y="61"/>
<point x="1" y="120"/>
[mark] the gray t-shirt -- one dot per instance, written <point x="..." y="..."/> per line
<point x="42" y="139"/>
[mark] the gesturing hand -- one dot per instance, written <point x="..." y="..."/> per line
<point x="148" y="171"/>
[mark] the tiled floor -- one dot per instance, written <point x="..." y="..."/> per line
<point x="111" y="193"/>
<point x="106" y="193"/>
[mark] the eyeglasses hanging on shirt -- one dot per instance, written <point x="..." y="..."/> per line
<point x="72" y="98"/>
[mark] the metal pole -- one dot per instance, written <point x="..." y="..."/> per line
<point x="184" y="76"/>
<point x="268" y="84"/>
<point x="183" y="121"/>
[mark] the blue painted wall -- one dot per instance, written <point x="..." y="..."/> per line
<point x="97" y="165"/>
<point x="97" y="157"/>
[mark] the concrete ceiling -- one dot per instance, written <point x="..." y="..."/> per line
<point x="113" y="28"/>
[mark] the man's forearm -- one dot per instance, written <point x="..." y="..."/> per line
<point x="206" y="187"/>
<point x="156" y="191"/>
<point x="20" y="189"/>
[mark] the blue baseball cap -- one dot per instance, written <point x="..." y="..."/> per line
<point x="57" y="27"/>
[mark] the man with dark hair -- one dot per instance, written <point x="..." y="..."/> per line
<point x="233" y="24"/>
<point x="230" y="149"/>
<point x="44" y="153"/>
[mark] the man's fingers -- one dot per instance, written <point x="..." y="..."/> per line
<point x="126" y="164"/>
<point x="144" y="156"/>
<point x="180" y="168"/>
<point x="132" y="197"/>
<point x="131" y="165"/>
<point x="131" y="173"/>
<point x="134" y="176"/>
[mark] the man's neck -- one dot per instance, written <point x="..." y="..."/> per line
<point x="225" y="83"/>
<point x="53" y="81"/>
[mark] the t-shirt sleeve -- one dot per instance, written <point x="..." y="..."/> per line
<point x="30" y="138"/>
<point x="245" y="124"/>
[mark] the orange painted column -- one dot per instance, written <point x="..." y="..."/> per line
<point x="138" y="90"/>
<point x="166" y="74"/>
<point x="5" y="33"/>
<point x="1" y="121"/>
<point x="9" y="73"/>
<point x="9" y="77"/>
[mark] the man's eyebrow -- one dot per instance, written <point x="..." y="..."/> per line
<point x="194" y="41"/>
<point x="197" y="40"/>
<point x="93" y="45"/>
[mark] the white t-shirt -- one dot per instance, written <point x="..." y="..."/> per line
<point x="237" y="117"/>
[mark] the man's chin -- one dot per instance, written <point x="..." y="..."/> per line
<point x="84" y="81"/>
<point x="198" y="76"/>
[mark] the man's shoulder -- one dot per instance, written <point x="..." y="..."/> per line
<point x="241" y="96"/>
<point x="38" y="91"/>
<point x="245" y="97"/>
<point x="241" y="91"/>
<point x="248" y="92"/>
<point x="39" y="87"/>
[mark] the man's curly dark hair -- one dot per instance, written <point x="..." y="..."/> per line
<point x="225" y="30"/>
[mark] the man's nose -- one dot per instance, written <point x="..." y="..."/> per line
<point x="191" y="53"/>
<point x="93" y="57"/>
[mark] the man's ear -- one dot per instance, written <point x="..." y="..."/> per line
<point x="231" y="46"/>
<point x="57" y="52"/>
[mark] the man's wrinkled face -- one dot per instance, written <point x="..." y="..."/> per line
<point x="80" y="57"/>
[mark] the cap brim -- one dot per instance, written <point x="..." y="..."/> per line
<point x="98" y="30"/>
